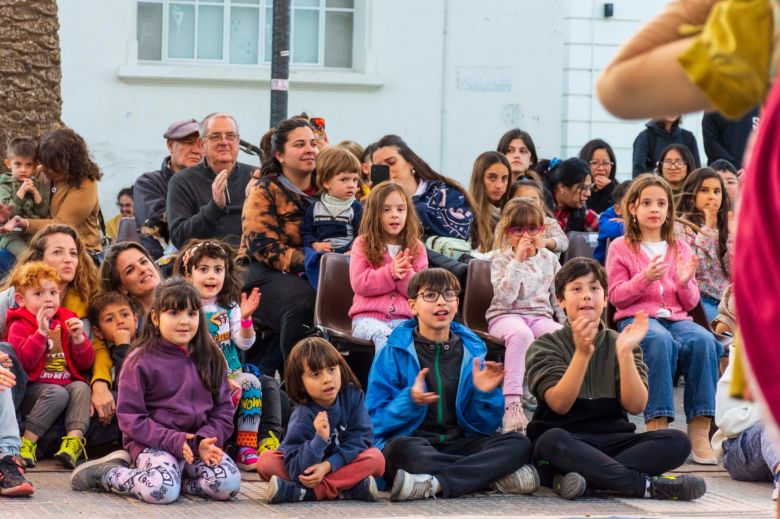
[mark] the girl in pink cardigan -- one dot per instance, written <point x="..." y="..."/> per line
<point x="649" y="270"/>
<point x="385" y="256"/>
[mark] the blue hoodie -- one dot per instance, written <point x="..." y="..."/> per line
<point x="350" y="434"/>
<point x="608" y="230"/>
<point x="389" y="396"/>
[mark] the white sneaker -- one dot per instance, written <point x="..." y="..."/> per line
<point x="408" y="487"/>
<point x="524" y="480"/>
<point x="514" y="418"/>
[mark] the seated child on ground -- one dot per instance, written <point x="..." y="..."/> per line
<point x="386" y="255"/>
<point x="523" y="304"/>
<point x="13" y="482"/>
<point x="586" y="378"/>
<point x="435" y="404"/>
<point x="332" y="222"/>
<point x="611" y="222"/>
<point x="211" y="267"/>
<point x="327" y="452"/>
<point x="22" y="190"/>
<point x="748" y="453"/>
<point x="115" y="323"/>
<point x="174" y="410"/>
<point x="55" y="352"/>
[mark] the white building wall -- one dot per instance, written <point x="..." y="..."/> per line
<point x="450" y="76"/>
<point x="591" y="42"/>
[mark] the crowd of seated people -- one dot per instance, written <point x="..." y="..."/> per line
<point x="95" y="324"/>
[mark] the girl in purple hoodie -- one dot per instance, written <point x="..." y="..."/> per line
<point x="174" y="409"/>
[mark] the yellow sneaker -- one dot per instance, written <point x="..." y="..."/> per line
<point x="27" y="453"/>
<point x="271" y="443"/>
<point x="71" y="450"/>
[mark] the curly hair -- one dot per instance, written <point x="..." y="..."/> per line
<point x="195" y="250"/>
<point x="84" y="282"/>
<point x="374" y="239"/>
<point x="30" y="275"/>
<point x="65" y="151"/>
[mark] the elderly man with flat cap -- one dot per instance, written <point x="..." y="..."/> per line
<point x="150" y="191"/>
<point x="205" y="200"/>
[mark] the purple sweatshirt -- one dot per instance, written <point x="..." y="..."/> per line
<point x="161" y="399"/>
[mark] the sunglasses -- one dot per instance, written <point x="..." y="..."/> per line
<point x="519" y="230"/>
<point x="318" y="123"/>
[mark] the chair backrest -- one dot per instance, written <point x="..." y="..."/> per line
<point x="580" y="244"/>
<point x="478" y="296"/>
<point x="127" y="230"/>
<point x="334" y="293"/>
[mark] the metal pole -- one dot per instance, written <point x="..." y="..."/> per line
<point x="280" y="61"/>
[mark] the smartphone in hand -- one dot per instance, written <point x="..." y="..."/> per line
<point x="379" y="173"/>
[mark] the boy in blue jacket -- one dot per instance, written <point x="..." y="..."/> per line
<point x="611" y="222"/>
<point x="435" y="404"/>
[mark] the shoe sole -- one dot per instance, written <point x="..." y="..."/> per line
<point x="247" y="468"/>
<point x="691" y="491"/>
<point x="22" y="490"/>
<point x="114" y="456"/>
<point x="572" y="486"/>
<point x="27" y="463"/>
<point x="373" y="490"/>
<point x="399" y="485"/>
<point x="508" y="489"/>
<point x="273" y="488"/>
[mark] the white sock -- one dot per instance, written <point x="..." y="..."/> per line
<point x="647" y="487"/>
<point x="436" y="486"/>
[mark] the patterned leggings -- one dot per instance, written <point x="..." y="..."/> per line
<point x="158" y="478"/>
<point x="250" y="407"/>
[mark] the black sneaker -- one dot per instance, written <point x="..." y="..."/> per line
<point x="89" y="475"/>
<point x="283" y="491"/>
<point x="569" y="486"/>
<point x="364" y="491"/>
<point x="13" y="483"/>
<point x="685" y="487"/>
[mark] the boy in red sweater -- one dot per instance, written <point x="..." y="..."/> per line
<point x="54" y="350"/>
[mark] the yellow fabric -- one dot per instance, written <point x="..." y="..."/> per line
<point x="730" y="59"/>
<point x="738" y="382"/>
<point x="112" y="227"/>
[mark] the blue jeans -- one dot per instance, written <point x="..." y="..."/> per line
<point x="684" y="346"/>
<point x="710" y="305"/>
<point x="750" y="456"/>
<point x="9" y="429"/>
<point x="21" y="375"/>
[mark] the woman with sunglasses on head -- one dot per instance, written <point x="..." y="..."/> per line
<point x="571" y="183"/>
<point x="603" y="166"/>
<point x="523" y="305"/>
<point x="674" y="164"/>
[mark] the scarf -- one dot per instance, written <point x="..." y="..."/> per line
<point x="336" y="206"/>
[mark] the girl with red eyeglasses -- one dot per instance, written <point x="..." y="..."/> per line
<point x="523" y="305"/>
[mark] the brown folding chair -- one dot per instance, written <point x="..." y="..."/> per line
<point x="580" y="244"/>
<point x="331" y="308"/>
<point x="127" y="230"/>
<point x="476" y="301"/>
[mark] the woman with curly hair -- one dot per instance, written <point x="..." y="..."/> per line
<point x="74" y="175"/>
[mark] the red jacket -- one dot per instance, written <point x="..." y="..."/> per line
<point x="30" y="345"/>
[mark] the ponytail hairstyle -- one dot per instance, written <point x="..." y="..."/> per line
<point x="374" y="239"/>
<point x="568" y="173"/>
<point x="688" y="215"/>
<point x="278" y="138"/>
<point x="484" y="206"/>
<point x="195" y="250"/>
<point x="178" y="295"/>
<point x="633" y="234"/>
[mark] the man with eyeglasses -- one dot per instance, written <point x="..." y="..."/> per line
<point x="150" y="191"/>
<point x="205" y="200"/>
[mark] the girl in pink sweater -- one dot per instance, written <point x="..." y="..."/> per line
<point x="651" y="271"/>
<point x="385" y="256"/>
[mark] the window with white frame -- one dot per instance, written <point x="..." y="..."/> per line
<point x="240" y="31"/>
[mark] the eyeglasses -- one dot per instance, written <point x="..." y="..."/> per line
<point x="531" y="230"/>
<point x="217" y="137"/>
<point x="431" y="296"/>
<point x="673" y="163"/>
<point x="597" y="164"/>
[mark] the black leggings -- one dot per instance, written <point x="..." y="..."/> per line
<point x="287" y="307"/>
<point x="461" y="466"/>
<point x="619" y="462"/>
